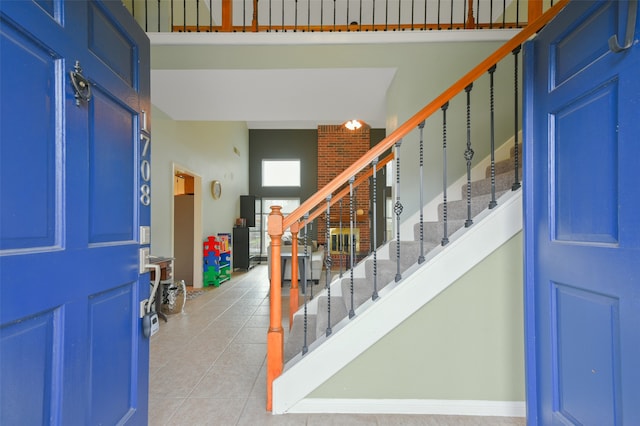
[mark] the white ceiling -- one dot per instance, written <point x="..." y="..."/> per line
<point x="286" y="98"/>
<point x="283" y="98"/>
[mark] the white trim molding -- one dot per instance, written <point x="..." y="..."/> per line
<point x="412" y="406"/>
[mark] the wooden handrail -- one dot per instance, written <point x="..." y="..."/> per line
<point x="424" y="113"/>
<point x="277" y="223"/>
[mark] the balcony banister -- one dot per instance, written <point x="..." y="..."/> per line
<point x="423" y="114"/>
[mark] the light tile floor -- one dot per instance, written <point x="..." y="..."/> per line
<point x="207" y="366"/>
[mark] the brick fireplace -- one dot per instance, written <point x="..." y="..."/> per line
<point x="338" y="148"/>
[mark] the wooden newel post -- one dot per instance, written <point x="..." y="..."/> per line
<point x="471" y="23"/>
<point x="275" y="335"/>
<point x="293" y="294"/>
<point x="227" y="16"/>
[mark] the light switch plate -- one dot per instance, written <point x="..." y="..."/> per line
<point x="145" y="235"/>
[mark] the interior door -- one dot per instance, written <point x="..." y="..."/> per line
<point x="73" y="196"/>
<point x="582" y="223"/>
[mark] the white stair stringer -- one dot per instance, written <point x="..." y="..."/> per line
<point x="397" y="301"/>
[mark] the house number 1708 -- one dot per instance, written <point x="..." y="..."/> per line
<point x="145" y="171"/>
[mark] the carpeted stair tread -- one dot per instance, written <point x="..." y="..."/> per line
<point x="481" y="187"/>
<point x="386" y="270"/>
<point x="362" y="290"/>
<point x="295" y="339"/>
<point x="457" y="210"/>
<point x="434" y="231"/>
<point x="338" y="312"/>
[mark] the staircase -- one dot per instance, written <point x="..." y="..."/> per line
<point x="317" y="317"/>
<point x="356" y="320"/>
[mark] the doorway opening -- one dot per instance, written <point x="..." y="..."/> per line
<point x="187" y="226"/>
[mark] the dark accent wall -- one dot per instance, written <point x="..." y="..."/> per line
<point x="284" y="145"/>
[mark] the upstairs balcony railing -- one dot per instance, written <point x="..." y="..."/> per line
<point x="332" y="15"/>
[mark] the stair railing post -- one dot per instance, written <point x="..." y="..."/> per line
<point x="275" y="335"/>
<point x="351" y="244"/>
<point x="421" y="257"/>
<point x="468" y="156"/>
<point x="293" y="293"/>
<point x="327" y="263"/>
<point x="445" y="235"/>
<point x="397" y="209"/>
<point x="374" y="163"/>
<point x="516" y="182"/>
<point x="493" y="201"/>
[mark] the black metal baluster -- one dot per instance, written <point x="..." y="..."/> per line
<point x="504" y="9"/>
<point x="146" y="15"/>
<point x="399" y="14"/>
<point x="464" y="14"/>
<point x="184" y="16"/>
<point x="340" y="241"/>
<point x="421" y="257"/>
<point x="283" y="30"/>
<point x="438" y="14"/>
<point x="451" y="20"/>
<point x="491" y="14"/>
<point x="295" y="17"/>
<point x="133" y="8"/>
<point x="397" y="209"/>
<point x="517" y="13"/>
<point x="425" y="16"/>
<point x="412" y="13"/>
<point x="308" y="15"/>
<point x="468" y="156"/>
<point x="327" y="264"/>
<point x="171" y="18"/>
<point x="360" y="17"/>
<point x="270" y="14"/>
<point x="351" y="245"/>
<point x="516" y="183"/>
<point x="158" y="15"/>
<point x="445" y="238"/>
<point x="374" y="296"/>
<point x="321" y="15"/>
<point x="244" y="15"/>
<point x="386" y="15"/>
<point x="493" y="202"/>
<point x="373" y="19"/>
<point x="334" y="15"/>
<point x="347" y="19"/>
<point x="197" y="16"/>
<point x="210" y="16"/>
<point x="478" y="14"/>
<point x="305" y="348"/>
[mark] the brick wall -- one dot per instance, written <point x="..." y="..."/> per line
<point x="338" y="148"/>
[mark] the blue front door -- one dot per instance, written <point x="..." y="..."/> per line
<point x="73" y="197"/>
<point x="582" y="220"/>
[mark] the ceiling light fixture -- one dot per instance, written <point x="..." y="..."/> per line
<point x="353" y="124"/>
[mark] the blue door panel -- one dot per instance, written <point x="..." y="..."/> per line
<point x="30" y="202"/>
<point x="582" y="43"/>
<point x="111" y="345"/>
<point x="111" y="159"/>
<point x="582" y="234"/>
<point x="579" y="215"/>
<point x="585" y="358"/>
<point x="39" y="347"/>
<point x="109" y="43"/>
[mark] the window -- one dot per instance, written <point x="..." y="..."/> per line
<point x="281" y="173"/>
<point x="288" y="205"/>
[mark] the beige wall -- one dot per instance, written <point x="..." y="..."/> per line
<point x="206" y="149"/>
<point x="466" y="344"/>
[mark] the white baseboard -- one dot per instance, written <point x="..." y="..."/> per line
<point x="411" y="406"/>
